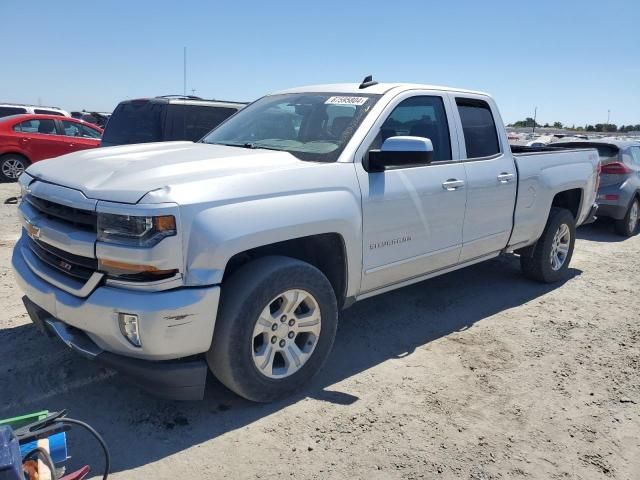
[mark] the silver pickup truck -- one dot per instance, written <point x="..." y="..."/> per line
<point x="237" y="252"/>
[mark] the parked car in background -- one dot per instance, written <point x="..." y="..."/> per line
<point x="7" y="109"/>
<point x="165" y="118"/>
<point x="619" y="192"/>
<point x="97" y="118"/>
<point x="25" y="139"/>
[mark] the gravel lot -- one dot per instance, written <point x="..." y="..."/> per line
<point x="479" y="374"/>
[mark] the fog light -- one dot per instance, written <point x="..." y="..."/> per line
<point x="129" y="328"/>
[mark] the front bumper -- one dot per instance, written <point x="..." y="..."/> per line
<point x="177" y="380"/>
<point x="173" y="324"/>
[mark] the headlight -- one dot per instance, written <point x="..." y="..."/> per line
<point x="134" y="230"/>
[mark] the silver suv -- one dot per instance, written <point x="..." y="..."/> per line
<point x="619" y="193"/>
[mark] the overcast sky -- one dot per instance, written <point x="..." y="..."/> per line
<point x="573" y="60"/>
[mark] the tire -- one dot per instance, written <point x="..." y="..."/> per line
<point x="11" y="167"/>
<point x="256" y="289"/>
<point x="538" y="264"/>
<point x="628" y="226"/>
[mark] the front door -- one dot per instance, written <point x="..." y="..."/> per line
<point x="413" y="216"/>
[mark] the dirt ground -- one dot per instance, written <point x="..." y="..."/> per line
<point x="479" y="374"/>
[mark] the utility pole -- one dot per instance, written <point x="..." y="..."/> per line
<point x="535" y="115"/>
<point x="193" y="92"/>
<point x="184" y="73"/>
<point x="606" y="127"/>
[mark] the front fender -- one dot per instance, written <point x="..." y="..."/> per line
<point x="221" y="231"/>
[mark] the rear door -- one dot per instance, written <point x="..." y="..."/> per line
<point x="412" y="216"/>
<point x="491" y="177"/>
<point x="41" y="139"/>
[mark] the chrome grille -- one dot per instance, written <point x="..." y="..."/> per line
<point x="82" y="219"/>
<point x="65" y="262"/>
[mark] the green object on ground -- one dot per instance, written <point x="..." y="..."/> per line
<point x="22" y="420"/>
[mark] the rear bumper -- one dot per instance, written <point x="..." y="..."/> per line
<point x="614" y="211"/>
<point x="174" y="379"/>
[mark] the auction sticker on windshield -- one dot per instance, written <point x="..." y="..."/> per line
<point x="346" y="101"/>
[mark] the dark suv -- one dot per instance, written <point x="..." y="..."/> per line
<point x="165" y="118"/>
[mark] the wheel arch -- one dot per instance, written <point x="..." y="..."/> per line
<point x="327" y="252"/>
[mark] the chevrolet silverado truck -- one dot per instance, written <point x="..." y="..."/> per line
<point x="236" y="253"/>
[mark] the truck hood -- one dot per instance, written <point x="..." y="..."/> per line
<point x="127" y="173"/>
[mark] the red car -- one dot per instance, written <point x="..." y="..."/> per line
<point x="29" y="138"/>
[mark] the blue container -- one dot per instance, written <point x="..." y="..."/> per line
<point x="10" y="458"/>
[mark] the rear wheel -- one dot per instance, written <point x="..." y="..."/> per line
<point x="549" y="259"/>
<point x="11" y="167"/>
<point x="628" y="226"/>
<point x="275" y="328"/>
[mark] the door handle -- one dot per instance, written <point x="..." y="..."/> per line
<point x="72" y="145"/>
<point x="505" y="177"/>
<point x="453" y="184"/>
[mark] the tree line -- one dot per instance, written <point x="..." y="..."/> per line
<point x="598" y="127"/>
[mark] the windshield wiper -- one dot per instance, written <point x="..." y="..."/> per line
<point x="248" y="145"/>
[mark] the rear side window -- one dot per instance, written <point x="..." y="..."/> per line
<point x="192" y="122"/>
<point x="135" y="122"/>
<point x="6" y="111"/>
<point x="479" y="128"/>
<point x="48" y="112"/>
<point x="44" y="126"/>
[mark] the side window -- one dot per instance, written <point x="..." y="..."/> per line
<point x="422" y="116"/>
<point x="45" y="126"/>
<point x="198" y="121"/>
<point x="88" y="132"/>
<point x="479" y="127"/>
<point x="6" y="111"/>
<point x="48" y="112"/>
<point x="71" y="129"/>
<point x="634" y="152"/>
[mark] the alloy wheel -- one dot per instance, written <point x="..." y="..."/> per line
<point x="12" y="168"/>
<point x="560" y="247"/>
<point x="286" y="334"/>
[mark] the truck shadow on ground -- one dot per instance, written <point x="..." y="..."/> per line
<point x="601" y="230"/>
<point x="141" y="429"/>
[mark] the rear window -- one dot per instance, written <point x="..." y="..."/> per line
<point x="480" y="134"/>
<point x="48" y="112"/>
<point x="192" y="122"/>
<point x="135" y="122"/>
<point x="6" y="111"/>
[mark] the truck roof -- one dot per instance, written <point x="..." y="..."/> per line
<point x="379" y="88"/>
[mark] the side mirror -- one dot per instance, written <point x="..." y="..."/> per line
<point x="399" y="152"/>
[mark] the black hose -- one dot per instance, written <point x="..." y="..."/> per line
<point x="107" y="457"/>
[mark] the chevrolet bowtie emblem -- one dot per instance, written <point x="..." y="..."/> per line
<point x="33" y="231"/>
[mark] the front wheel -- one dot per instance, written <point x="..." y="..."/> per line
<point x="629" y="224"/>
<point x="275" y="328"/>
<point x="549" y="259"/>
<point x="11" y="167"/>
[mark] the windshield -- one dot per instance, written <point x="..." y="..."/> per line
<point x="134" y="122"/>
<point x="311" y="126"/>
